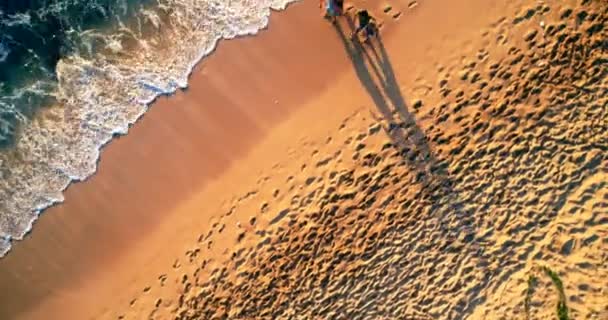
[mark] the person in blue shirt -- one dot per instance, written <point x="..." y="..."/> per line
<point x="333" y="8"/>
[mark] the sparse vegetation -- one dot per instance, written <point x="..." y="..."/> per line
<point x="532" y="280"/>
<point x="562" y="309"/>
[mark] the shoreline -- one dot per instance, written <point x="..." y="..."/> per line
<point x="7" y="242"/>
<point x="405" y="178"/>
<point x="46" y="232"/>
<point x="269" y="39"/>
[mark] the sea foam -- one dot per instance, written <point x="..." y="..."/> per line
<point x="101" y="88"/>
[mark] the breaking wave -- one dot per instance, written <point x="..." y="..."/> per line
<point x="74" y="73"/>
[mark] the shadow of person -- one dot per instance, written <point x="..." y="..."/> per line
<point x="357" y="55"/>
<point x="378" y="78"/>
<point x="374" y="70"/>
<point x="401" y="126"/>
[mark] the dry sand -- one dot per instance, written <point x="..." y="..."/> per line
<point x="438" y="175"/>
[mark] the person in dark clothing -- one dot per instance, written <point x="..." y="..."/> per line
<point x="366" y="24"/>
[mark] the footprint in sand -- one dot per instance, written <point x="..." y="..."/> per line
<point x="389" y="11"/>
<point x="265" y="205"/>
<point x="525" y="186"/>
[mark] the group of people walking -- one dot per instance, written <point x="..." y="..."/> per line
<point x="366" y="23"/>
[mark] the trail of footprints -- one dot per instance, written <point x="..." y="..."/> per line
<point x="377" y="231"/>
<point x="396" y="13"/>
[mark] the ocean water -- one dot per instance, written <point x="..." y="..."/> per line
<point x="74" y="73"/>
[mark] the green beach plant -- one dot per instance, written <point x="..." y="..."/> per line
<point x="562" y="308"/>
<point x="532" y="280"/>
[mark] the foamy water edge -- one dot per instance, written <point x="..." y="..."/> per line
<point x="6" y="240"/>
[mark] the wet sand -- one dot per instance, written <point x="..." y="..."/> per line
<point x="309" y="176"/>
<point x="184" y="142"/>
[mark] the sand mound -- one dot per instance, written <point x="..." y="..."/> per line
<point x="472" y="215"/>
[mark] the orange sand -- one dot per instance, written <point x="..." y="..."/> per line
<point x="271" y="123"/>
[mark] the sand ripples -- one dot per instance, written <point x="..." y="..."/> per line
<point x="375" y="228"/>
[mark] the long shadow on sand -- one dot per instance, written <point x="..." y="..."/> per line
<point x="401" y="125"/>
<point x="375" y="72"/>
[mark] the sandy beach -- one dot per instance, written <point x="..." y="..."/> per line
<point x="455" y="167"/>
